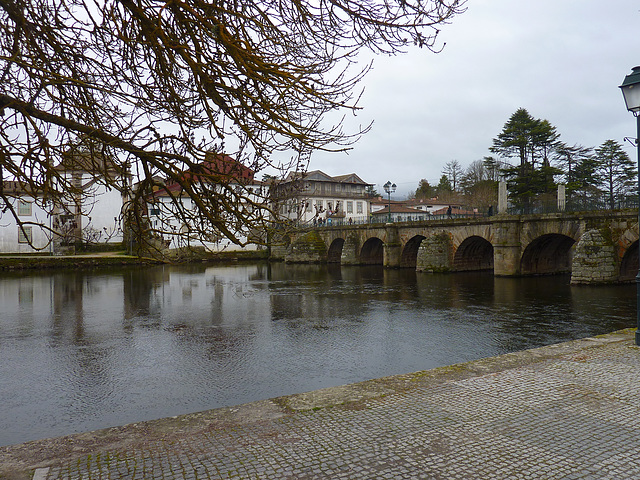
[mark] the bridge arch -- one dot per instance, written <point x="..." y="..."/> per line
<point x="548" y="254"/>
<point x="334" y="254"/>
<point x="475" y="253"/>
<point x="372" y="252"/>
<point x="629" y="263"/>
<point x="409" y="257"/>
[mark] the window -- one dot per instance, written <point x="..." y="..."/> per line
<point x="319" y="205"/>
<point x="24" y="208"/>
<point x="25" y="234"/>
<point x="329" y="205"/>
<point x="349" y="207"/>
<point x="359" y="207"/>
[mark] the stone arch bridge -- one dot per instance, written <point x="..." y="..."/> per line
<point x="596" y="247"/>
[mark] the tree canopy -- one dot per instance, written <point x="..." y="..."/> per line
<point x="424" y="191"/>
<point x="615" y="171"/>
<point x="532" y="141"/>
<point x="157" y="85"/>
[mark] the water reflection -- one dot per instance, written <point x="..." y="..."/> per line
<point x="80" y="351"/>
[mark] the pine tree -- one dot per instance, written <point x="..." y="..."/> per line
<point x="616" y="172"/>
<point x="532" y="141"/>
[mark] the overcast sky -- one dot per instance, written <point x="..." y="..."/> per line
<point x="562" y="60"/>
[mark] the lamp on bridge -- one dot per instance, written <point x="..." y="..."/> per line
<point x="389" y="188"/>
<point x="631" y="90"/>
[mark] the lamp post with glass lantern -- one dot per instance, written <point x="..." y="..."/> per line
<point x="631" y="91"/>
<point x="389" y="188"/>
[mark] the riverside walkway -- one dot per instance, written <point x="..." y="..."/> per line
<point x="566" y="411"/>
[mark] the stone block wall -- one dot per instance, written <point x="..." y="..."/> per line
<point x="595" y="259"/>
<point x="435" y="254"/>
<point x="310" y="248"/>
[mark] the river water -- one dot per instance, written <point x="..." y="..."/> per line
<point x="86" y="350"/>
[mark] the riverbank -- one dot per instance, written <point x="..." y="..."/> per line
<point x="118" y="259"/>
<point x="570" y="410"/>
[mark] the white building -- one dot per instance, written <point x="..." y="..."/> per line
<point x="432" y="205"/>
<point x="93" y="214"/>
<point x="90" y="214"/>
<point x="315" y="197"/>
<point x="33" y="213"/>
<point x="169" y="209"/>
<point x="397" y="213"/>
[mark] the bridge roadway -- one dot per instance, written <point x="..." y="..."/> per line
<point x="596" y="247"/>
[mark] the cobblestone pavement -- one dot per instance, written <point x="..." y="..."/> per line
<point x="570" y="411"/>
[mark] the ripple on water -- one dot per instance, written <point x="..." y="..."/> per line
<point x="163" y="341"/>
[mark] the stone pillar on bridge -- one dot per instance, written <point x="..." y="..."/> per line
<point x="502" y="197"/>
<point x="392" y="246"/>
<point x="507" y="249"/>
<point x="562" y="197"/>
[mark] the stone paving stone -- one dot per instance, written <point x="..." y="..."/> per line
<point x="574" y="416"/>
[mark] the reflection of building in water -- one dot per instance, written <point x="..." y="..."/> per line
<point x="139" y="285"/>
<point x="26" y="301"/>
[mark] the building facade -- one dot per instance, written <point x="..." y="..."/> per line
<point x="315" y="198"/>
<point x="241" y="208"/>
<point x="28" y="233"/>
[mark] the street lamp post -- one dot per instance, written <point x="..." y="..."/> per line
<point x="631" y="90"/>
<point x="389" y="188"/>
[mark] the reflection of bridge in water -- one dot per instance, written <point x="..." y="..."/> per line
<point x="596" y="247"/>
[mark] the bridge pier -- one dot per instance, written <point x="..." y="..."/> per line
<point x="507" y="248"/>
<point x="594" y="260"/>
<point x="506" y="260"/>
<point x="350" y="251"/>
<point x="435" y="254"/>
<point x="392" y="252"/>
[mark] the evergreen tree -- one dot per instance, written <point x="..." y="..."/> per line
<point x="371" y="191"/>
<point x="579" y="172"/>
<point x="492" y="168"/>
<point x="424" y="190"/>
<point x="444" y="188"/>
<point x="616" y="172"/>
<point x="532" y="141"/>
<point x="479" y="186"/>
